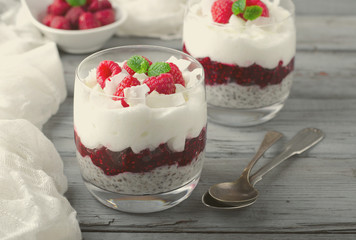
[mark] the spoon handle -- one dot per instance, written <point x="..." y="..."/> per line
<point x="301" y="142"/>
<point x="270" y="138"/>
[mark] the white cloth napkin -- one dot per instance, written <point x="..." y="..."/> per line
<point x="152" y="18"/>
<point x="32" y="184"/>
<point x="32" y="83"/>
<point x="32" y="86"/>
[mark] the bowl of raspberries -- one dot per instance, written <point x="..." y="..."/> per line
<point x="77" y="26"/>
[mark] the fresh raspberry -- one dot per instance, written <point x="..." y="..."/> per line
<point x="265" y="12"/>
<point x="132" y="72"/>
<point x="163" y="84"/>
<point x="177" y="74"/>
<point x="87" y="21"/>
<point x="127" y="82"/>
<point x="105" y="70"/>
<point x="105" y="16"/>
<point x="128" y="69"/>
<point x="58" y="7"/>
<point x="73" y="16"/>
<point x="48" y="19"/>
<point x="60" y="22"/>
<point x="97" y="5"/>
<point x="221" y="11"/>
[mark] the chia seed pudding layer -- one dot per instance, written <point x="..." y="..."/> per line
<point x="233" y="95"/>
<point x="162" y="179"/>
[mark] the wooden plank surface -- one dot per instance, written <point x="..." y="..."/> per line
<point x="308" y="197"/>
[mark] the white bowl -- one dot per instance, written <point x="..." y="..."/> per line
<point x="73" y="41"/>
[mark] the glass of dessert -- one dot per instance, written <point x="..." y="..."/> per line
<point x="247" y="49"/>
<point x="140" y="117"/>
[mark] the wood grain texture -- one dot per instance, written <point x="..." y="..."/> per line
<point x="307" y="197"/>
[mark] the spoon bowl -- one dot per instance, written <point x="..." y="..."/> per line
<point x="241" y="190"/>
<point x="209" y="201"/>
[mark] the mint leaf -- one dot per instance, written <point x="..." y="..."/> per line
<point x="238" y="7"/>
<point x="138" y="64"/>
<point x="158" y="68"/>
<point x="75" y="3"/>
<point x="252" y="12"/>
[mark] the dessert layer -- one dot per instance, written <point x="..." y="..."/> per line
<point x="264" y="41"/>
<point x="219" y="73"/>
<point x="162" y="179"/>
<point x="113" y="163"/>
<point x="233" y="95"/>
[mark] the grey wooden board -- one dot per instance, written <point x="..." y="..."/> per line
<point x="215" y="236"/>
<point x="325" y="7"/>
<point x="308" y="197"/>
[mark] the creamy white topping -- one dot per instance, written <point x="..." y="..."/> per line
<point x="264" y="41"/>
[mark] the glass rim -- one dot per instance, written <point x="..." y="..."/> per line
<point x="148" y="47"/>
<point x="290" y="16"/>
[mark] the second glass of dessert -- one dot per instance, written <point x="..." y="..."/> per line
<point x="247" y="49"/>
<point x="140" y="117"/>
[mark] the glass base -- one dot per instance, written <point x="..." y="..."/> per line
<point x="243" y="117"/>
<point x="142" y="203"/>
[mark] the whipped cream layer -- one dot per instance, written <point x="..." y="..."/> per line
<point x="149" y="121"/>
<point x="264" y="41"/>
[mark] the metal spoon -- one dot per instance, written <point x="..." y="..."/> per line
<point x="241" y="190"/>
<point x="301" y="142"/>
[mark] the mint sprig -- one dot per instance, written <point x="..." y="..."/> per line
<point x="253" y="12"/>
<point x="248" y="13"/>
<point x="138" y="64"/>
<point x="158" y="68"/>
<point x="238" y="7"/>
<point x="75" y="3"/>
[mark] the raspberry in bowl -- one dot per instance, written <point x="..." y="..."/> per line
<point x="140" y="118"/>
<point x="76" y="26"/>
<point x="247" y="49"/>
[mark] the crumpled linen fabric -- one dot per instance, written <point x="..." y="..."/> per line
<point x="32" y="184"/>
<point x="154" y="18"/>
<point x="32" y="84"/>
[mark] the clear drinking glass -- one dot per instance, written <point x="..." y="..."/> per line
<point x="248" y="64"/>
<point x="146" y="157"/>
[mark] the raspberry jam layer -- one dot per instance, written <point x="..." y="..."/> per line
<point x="217" y="73"/>
<point x="113" y="163"/>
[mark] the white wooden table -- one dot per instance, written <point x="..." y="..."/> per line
<point x="308" y="197"/>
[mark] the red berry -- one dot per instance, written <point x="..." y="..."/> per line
<point x="58" y="7"/>
<point x="87" y="21"/>
<point x="221" y="11"/>
<point x="265" y="12"/>
<point x="128" y="69"/>
<point x="177" y="74"/>
<point x="97" y="5"/>
<point x="105" y="16"/>
<point x="163" y="84"/>
<point x="73" y="16"/>
<point x="60" y="22"/>
<point x="105" y="70"/>
<point x="48" y="19"/>
<point x="127" y="82"/>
